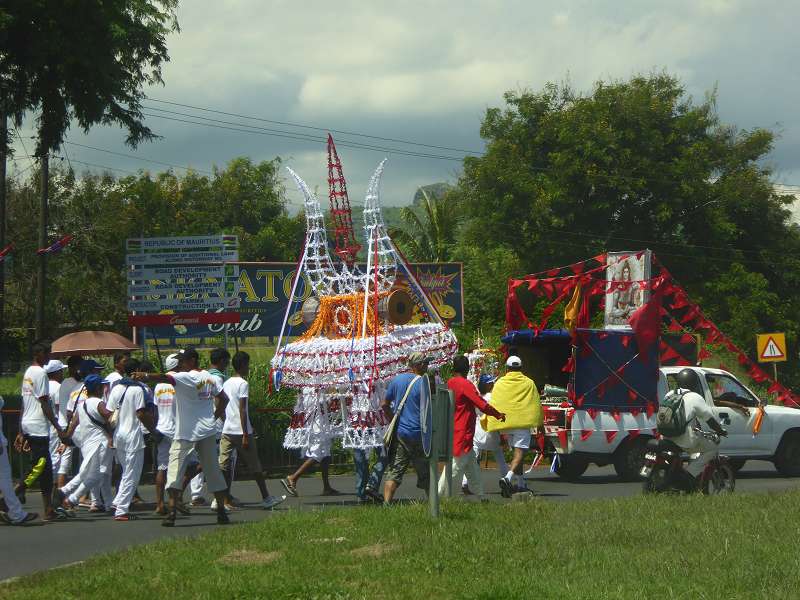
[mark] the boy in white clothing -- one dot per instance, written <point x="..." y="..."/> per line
<point x="69" y="385"/>
<point x="127" y="399"/>
<point x="237" y="433"/>
<point x="55" y="375"/>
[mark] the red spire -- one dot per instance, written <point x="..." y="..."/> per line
<point x="346" y="246"/>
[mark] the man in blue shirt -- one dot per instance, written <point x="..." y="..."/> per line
<point x="406" y="446"/>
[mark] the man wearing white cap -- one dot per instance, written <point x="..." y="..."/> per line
<point x="515" y="395"/>
<point x="55" y="375"/>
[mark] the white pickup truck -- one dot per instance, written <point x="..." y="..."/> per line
<point x="592" y="440"/>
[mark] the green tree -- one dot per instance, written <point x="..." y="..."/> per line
<point x="428" y="230"/>
<point x="637" y="164"/>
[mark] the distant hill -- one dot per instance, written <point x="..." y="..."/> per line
<point x="433" y="189"/>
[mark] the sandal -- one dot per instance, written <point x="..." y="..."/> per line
<point x="290" y="488"/>
<point x="183" y="509"/>
<point x="169" y="520"/>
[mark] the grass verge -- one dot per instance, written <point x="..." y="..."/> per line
<point x="675" y="547"/>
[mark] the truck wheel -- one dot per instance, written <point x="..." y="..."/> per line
<point x="736" y="464"/>
<point x="629" y="458"/>
<point x="787" y="458"/>
<point x="570" y="468"/>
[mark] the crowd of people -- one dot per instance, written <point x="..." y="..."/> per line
<point x="86" y="434"/>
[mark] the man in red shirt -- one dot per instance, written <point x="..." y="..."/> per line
<point x="467" y="399"/>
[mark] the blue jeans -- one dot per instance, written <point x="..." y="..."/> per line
<point x="364" y="478"/>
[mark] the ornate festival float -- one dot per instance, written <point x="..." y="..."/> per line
<point x="358" y="331"/>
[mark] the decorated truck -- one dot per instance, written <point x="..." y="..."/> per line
<point x="601" y="386"/>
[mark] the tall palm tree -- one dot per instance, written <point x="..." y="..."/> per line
<point x="428" y="231"/>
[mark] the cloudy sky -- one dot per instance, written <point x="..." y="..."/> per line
<point x="425" y="72"/>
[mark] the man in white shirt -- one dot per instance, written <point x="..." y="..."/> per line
<point x="69" y="385"/>
<point x="55" y="375"/>
<point x="164" y="396"/>
<point x="696" y="411"/>
<point x="237" y="433"/>
<point x="16" y="515"/>
<point x="195" y="392"/>
<point x="127" y="401"/>
<point x="37" y="418"/>
<point x="92" y="416"/>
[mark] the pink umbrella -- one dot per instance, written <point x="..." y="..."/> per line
<point x="91" y="342"/>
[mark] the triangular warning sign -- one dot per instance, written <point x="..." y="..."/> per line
<point x="772" y="350"/>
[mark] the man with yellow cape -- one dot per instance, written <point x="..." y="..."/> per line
<point x="515" y="395"/>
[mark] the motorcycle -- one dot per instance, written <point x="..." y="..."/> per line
<point x="663" y="469"/>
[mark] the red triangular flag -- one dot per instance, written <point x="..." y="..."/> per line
<point x="586" y="434"/>
<point x="610" y="435"/>
<point x="592" y="412"/>
<point x="636" y="411"/>
<point x="651" y="409"/>
<point x="646" y="324"/>
<point x="579" y="401"/>
<point x="615" y="414"/>
<point x="633" y="433"/>
<point x="562" y="438"/>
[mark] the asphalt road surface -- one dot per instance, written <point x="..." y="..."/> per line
<point x="45" y="546"/>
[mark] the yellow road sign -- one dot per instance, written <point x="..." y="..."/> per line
<point x="771" y="347"/>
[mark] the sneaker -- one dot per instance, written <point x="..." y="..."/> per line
<point x="126" y="517"/>
<point x="505" y="488"/>
<point x="31" y="516"/>
<point x="373" y="496"/>
<point x="272" y="501"/>
<point x="199" y="501"/>
<point x="290" y="488"/>
<point x="222" y="519"/>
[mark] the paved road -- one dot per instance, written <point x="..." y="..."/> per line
<point x="29" y="549"/>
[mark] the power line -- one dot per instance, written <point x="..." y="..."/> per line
<point x="323" y="129"/>
<point x="88" y="164"/>
<point x="125" y="155"/>
<point x="254" y="129"/>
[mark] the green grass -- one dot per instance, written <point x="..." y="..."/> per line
<point x="742" y="546"/>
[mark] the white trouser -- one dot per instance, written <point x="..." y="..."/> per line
<point x="463" y="465"/>
<point x="492" y="444"/>
<point x="707" y="449"/>
<point x="196" y="486"/>
<point x="97" y="461"/>
<point x="55" y="457"/>
<point x="15" y="511"/>
<point x="65" y="464"/>
<point x="131" y="463"/>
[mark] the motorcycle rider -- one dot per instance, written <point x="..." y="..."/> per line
<point x="696" y="410"/>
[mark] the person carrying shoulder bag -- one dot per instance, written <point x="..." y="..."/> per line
<point x="404" y="397"/>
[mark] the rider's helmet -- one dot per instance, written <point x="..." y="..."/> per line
<point x="687" y="379"/>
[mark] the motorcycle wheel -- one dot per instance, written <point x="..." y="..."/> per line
<point x="721" y="480"/>
<point x="658" y="481"/>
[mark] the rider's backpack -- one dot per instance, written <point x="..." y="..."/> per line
<point x="671" y="417"/>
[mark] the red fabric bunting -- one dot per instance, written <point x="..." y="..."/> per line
<point x="610" y="435"/>
<point x="615" y="414"/>
<point x="675" y="327"/>
<point x="586" y="434"/>
<point x="688" y="338"/>
<point x="632" y="395"/>
<point x="635" y="412"/>
<point x="646" y="324"/>
<point x="592" y="411"/>
<point x="703" y="354"/>
<point x="579" y="401"/>
<point x="633" y="433"/>
<point x="651" y="409"/>
<point x="562" y="438"/>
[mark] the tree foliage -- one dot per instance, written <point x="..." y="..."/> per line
<point x="87" y="60"/>
<point x="428" y="228"/>
<point x="86" y="283"/>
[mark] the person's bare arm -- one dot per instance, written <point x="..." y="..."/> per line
<point x="222" y="404"/>
<point x="733" y="405"/>
<point x="47" y="409"/>
<point x="243" y="419"/>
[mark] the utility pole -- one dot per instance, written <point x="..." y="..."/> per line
<point x="3" y="153"/>
<point x="42" y="275"/>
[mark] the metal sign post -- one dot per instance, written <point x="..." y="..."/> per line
<point x="443" y="408"/>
